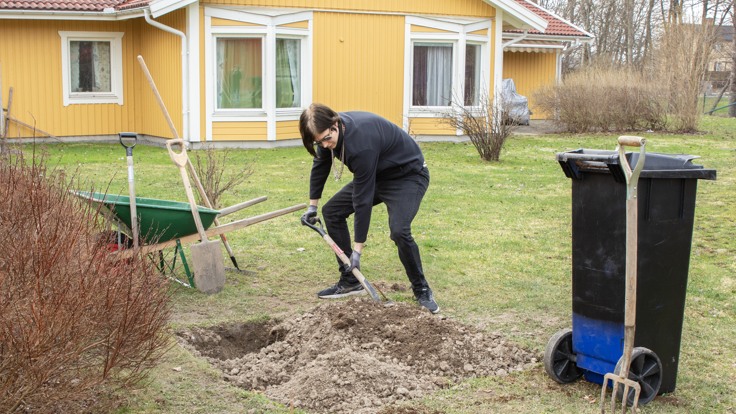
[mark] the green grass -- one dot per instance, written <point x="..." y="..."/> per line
<point x="495" y="240"/>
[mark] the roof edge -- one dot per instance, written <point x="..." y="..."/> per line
<point x="522" y="17"/>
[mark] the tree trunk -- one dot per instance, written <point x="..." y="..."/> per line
<point x="732" y="101"/>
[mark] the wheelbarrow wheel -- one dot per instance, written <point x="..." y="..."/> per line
<point x="646" y="369"/>
<point x="559" y="358"/>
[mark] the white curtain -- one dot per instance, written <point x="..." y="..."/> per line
<point x="288" y="88"/>
<point x="439" y="75"/>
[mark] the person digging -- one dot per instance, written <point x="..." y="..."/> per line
<point x="388" y="167"/>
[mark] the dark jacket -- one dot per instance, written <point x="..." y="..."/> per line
<point x="375" y="150"/>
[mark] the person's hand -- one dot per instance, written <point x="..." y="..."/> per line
<point x="354" y="261"/>
<point x="311" y="215"/>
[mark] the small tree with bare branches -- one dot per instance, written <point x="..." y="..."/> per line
<point x="487" y="125"/>
<point x="210" y="165"/>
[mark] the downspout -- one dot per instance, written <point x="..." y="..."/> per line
<point x="184" y="71"/>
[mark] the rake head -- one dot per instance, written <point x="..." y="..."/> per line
<point x="623" y="389"/>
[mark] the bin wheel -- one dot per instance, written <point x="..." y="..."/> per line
<point x="646" y="369"/>
<point x="559" y="359"/>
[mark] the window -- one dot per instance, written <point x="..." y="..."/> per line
<point x="288" y="73"/>
<point x="472" y="75"/>
<point x="239" y="73"/>
<point x="447" y="63"/>
<point x="92" y="67"/>
<point x="240" y="70"/>
<point x="432" y="74"/>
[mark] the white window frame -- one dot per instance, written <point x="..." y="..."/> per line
<point x="458" y="33"/>
<point x="267" y="24"/>
<point x="115" y="96"/>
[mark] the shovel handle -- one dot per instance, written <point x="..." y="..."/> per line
<point x="631" y="141"/>
<point x="632" y="176"/>
<point x="181" y="158"/>
<point x="125" y="141"/>
<point x="316" y="226"/>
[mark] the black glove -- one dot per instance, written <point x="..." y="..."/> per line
<point x="354" y="261"/>
<point x="311" y="215"/>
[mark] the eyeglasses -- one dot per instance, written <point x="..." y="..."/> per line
<point x="326" y="137"/>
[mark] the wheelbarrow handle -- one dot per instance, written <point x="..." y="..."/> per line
<point x="180" y="158"/>
<point x="317" y="226"/>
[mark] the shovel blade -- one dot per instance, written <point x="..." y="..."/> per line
<point x="209" y="266"/>
<point x="621" y="390"/>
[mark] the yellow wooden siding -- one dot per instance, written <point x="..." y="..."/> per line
<point x="473" y="8"/>
<point x="482" y="32"/>
<point x="30" y="55"/>
<point x="216" y="21"/>
<point x="239" y="131"/>
<point x="430" y="126"/>
<point x="162" y="52"/>
<point x="530" y="72"/>
<point x="297" y="25"/>
<point x="287" y="130"/>
<point x="359" y="63"/>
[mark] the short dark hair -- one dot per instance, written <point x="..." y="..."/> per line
<point x="315" y="119"/>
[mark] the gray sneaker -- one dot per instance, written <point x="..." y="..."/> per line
<point x="426" y="300"/>
<point x="341" y="290"/>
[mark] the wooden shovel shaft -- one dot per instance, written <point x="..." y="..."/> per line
<point x="356" y="272"/>
<point x="133" y="211"/>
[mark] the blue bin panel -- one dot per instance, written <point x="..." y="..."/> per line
<point x="597" y="344"/>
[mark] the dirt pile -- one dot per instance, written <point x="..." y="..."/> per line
<point x="353" y="356"/>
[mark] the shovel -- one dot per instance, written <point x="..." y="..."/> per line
<point x="125" y="142"/>
<point x="632" y="244"/>
<point x="209" y="270"/>
<point x="317" y="226"/>
<point x="200" y="188"/>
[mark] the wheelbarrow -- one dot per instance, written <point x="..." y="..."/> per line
<point x="165" y="223"/>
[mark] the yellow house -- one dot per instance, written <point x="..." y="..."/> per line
<point x="239" y="72"/>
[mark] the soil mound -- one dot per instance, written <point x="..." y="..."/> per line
<point x="353" y="356"/>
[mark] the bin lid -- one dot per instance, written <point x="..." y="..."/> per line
<point x="656" y="165"/>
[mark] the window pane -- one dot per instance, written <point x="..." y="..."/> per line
<point x="472" y="75"/>
<point x="239" y="73"/>
<point x="288" y="73"/>
<point x="432" y="74"/>
<point x="90" y="66"/>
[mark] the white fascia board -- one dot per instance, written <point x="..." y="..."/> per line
<point x="549" y="38"/>
<point x="69" y="15"/>
<point x="518" y="15"/>
<point x="160" y="7"/>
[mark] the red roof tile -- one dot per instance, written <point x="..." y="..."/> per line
<point x="71" y="5"/>
<point x="556" y="26"/>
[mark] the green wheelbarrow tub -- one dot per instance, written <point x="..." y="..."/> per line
<point x="160" y="220"/>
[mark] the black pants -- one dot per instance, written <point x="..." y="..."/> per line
<point x="402" y="197"/>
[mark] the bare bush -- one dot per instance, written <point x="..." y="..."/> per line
<point x="604" y="98"/>
<point x="487" y="126"/>
<point x="210" y="165"/>
<point x="680" y="66"/>
<point x="74" y="320"/>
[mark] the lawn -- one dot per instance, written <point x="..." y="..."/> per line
<point x="496" y="246"/>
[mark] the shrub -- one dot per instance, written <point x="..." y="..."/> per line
<point x="600" y="98"/>
<point x="74" y="319"/>
<point x="488" y="126"/>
